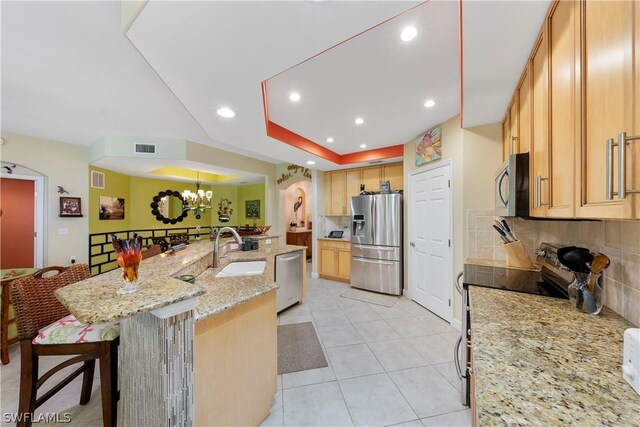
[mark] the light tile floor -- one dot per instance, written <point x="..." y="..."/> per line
<point x="387" y="366"/>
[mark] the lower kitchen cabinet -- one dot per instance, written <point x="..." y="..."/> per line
<point x="335" y="260"/>
<point x="300" y="238"/>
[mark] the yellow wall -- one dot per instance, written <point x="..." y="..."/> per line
<point x="61" y="164"/>
<point x="251" y="192"/>
<point x="115" y="185"/>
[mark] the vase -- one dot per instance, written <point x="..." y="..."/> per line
<point x="129" y="256"/>
<point x="584" y="299"/>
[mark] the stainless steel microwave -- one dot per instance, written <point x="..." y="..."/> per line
<point x="512" y="186"/>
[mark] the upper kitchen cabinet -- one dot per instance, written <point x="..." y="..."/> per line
<point x="564" y="105"/>
<point x="335" y="193"/>
<point x="371" y="177"/>
<point x="395" y="175"/>
<point x="506" y="137"/>
<point x="524" y="113"/>
<point x="539" y="158"/>
<point x="341" y="185"/>
<point x="611" y="110"/>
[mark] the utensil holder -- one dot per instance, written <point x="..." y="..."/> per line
<point x="517" y="256"/>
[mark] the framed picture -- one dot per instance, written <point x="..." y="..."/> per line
<point x="252" y="208"/>
<point x="111" y="208"/>
<point x="429" y="146"/>
<point x="70" y="206"/>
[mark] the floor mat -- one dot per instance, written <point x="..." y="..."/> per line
<point x="299" y="348"/>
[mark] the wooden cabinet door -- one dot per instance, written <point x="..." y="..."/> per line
<point x="338" y="193"/>
<point x="344" y="263"/>
<point x="539" y="174"/>
<point x="327" y="260"/>
<point x="524" y="113"/>
<point x="564" y="106"/>
<point x="514" y="127"/>
<point x="506" y="137"/>
<point x="352" y="178"/>
<point x="371" y="178"/>
<point x="395" y="175"/>
<point x="608" y="52"/>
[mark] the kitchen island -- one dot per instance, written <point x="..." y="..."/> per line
<point x="538" y="361"/>
<point x="182" y="342"/>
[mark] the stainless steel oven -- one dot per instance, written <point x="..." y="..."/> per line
<point x="512" y="186"/>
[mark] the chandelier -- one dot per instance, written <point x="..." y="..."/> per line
<point x="197" y="202"/>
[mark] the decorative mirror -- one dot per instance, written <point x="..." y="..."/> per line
<point x="160" y="207"/>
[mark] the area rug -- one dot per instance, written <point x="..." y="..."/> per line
<point x="299" y="348"/>
<point x="370" y="297"/>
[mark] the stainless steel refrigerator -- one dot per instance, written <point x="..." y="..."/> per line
<point x="376" y="243"/>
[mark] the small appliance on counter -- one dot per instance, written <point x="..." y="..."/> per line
<point x="335" y="234"/>
<point x="631" y="360"/>
<point x="249" y="244"/>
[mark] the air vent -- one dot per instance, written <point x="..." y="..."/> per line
<point x="145" y="148"/>
<point x="375" y="162"/>
<point x="97" y="179"/>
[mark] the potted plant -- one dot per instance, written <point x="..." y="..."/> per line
<point x="292" y="226"/>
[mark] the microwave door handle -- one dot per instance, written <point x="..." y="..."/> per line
<point x="505" y="174"/>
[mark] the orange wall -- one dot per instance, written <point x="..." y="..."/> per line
<point x="16" y="223"/>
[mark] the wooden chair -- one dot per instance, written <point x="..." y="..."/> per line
<point x="39" y="313"/>
<point x="150" y="251"/>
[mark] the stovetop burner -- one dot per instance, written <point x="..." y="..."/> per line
<point x="552" y="280"/>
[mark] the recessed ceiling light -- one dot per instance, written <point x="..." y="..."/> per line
<point x="363" y="145"/>
<point x="329" y="139"/>
<point x="311" y="162"/>
<point x="226" y="112"/>
<point x="294" y="96"/>
<point x="408" y="33"/>
<point x="429" y="103"/>
<point x="359" y="120"/>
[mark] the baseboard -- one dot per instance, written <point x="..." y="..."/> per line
<point x="456" y="324"/>
<point x="315" y="276"/>
<point x="406" y="293"/>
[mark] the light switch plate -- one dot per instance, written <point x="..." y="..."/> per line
<point x="631" y="361"/>
<point x="267" y="241"/>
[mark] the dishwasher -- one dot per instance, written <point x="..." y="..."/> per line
<point x="289" y="279"/>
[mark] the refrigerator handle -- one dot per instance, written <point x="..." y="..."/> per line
<point x="373" y="220"/>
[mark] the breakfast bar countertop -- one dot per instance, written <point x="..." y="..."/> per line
<point x="95" y="300"/>
<point x="537" y="361"/>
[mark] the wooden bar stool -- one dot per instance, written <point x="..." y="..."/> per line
<point x="45" y="328"/>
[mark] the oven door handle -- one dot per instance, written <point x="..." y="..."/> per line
<point x="457" y="283"/>
<point x="456" y="359"/>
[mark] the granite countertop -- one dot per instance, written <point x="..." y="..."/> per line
<point x="497" y="263"/>
<point x="537" y="361"/>
<point x="298" y="230"/>
<point x="223" y="293"/>
<point x="342" y="239"/>
<point x="95" y="300"/>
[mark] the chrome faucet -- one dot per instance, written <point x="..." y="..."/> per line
<point x="216" y="246"/>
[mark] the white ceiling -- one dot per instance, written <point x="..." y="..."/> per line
<point x="214" y="54"/>
<point x="69" y="74"/>
<point x="378" y="77"/>
<point x="498" y="37"/>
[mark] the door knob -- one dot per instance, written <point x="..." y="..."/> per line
<point x="413" y="244"/>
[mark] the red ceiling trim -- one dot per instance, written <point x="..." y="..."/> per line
<point x="460" y="60"/>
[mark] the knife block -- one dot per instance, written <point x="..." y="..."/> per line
<point x="517" y="256"/>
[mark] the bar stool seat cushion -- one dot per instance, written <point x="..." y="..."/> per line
<point x="69" y="330"/>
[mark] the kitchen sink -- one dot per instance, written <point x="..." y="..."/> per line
<point x="246" y="268"/>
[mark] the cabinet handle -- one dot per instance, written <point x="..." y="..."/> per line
<point x="536" y="190"/>
<point x="623" y="140"/>
<point x="513" y="139"/>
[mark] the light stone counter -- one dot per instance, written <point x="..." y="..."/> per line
<point x="342" y="239"/>
<point x="223" y="293"/>
<point x="537" y="361"/>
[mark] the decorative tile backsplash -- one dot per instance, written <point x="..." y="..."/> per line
<point x="340" y="223"/>
<point x="619" y="240"/>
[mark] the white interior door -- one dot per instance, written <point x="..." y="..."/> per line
<point x="430" y="277"/>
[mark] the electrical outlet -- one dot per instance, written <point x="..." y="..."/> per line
<point x="72" y="259"/>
